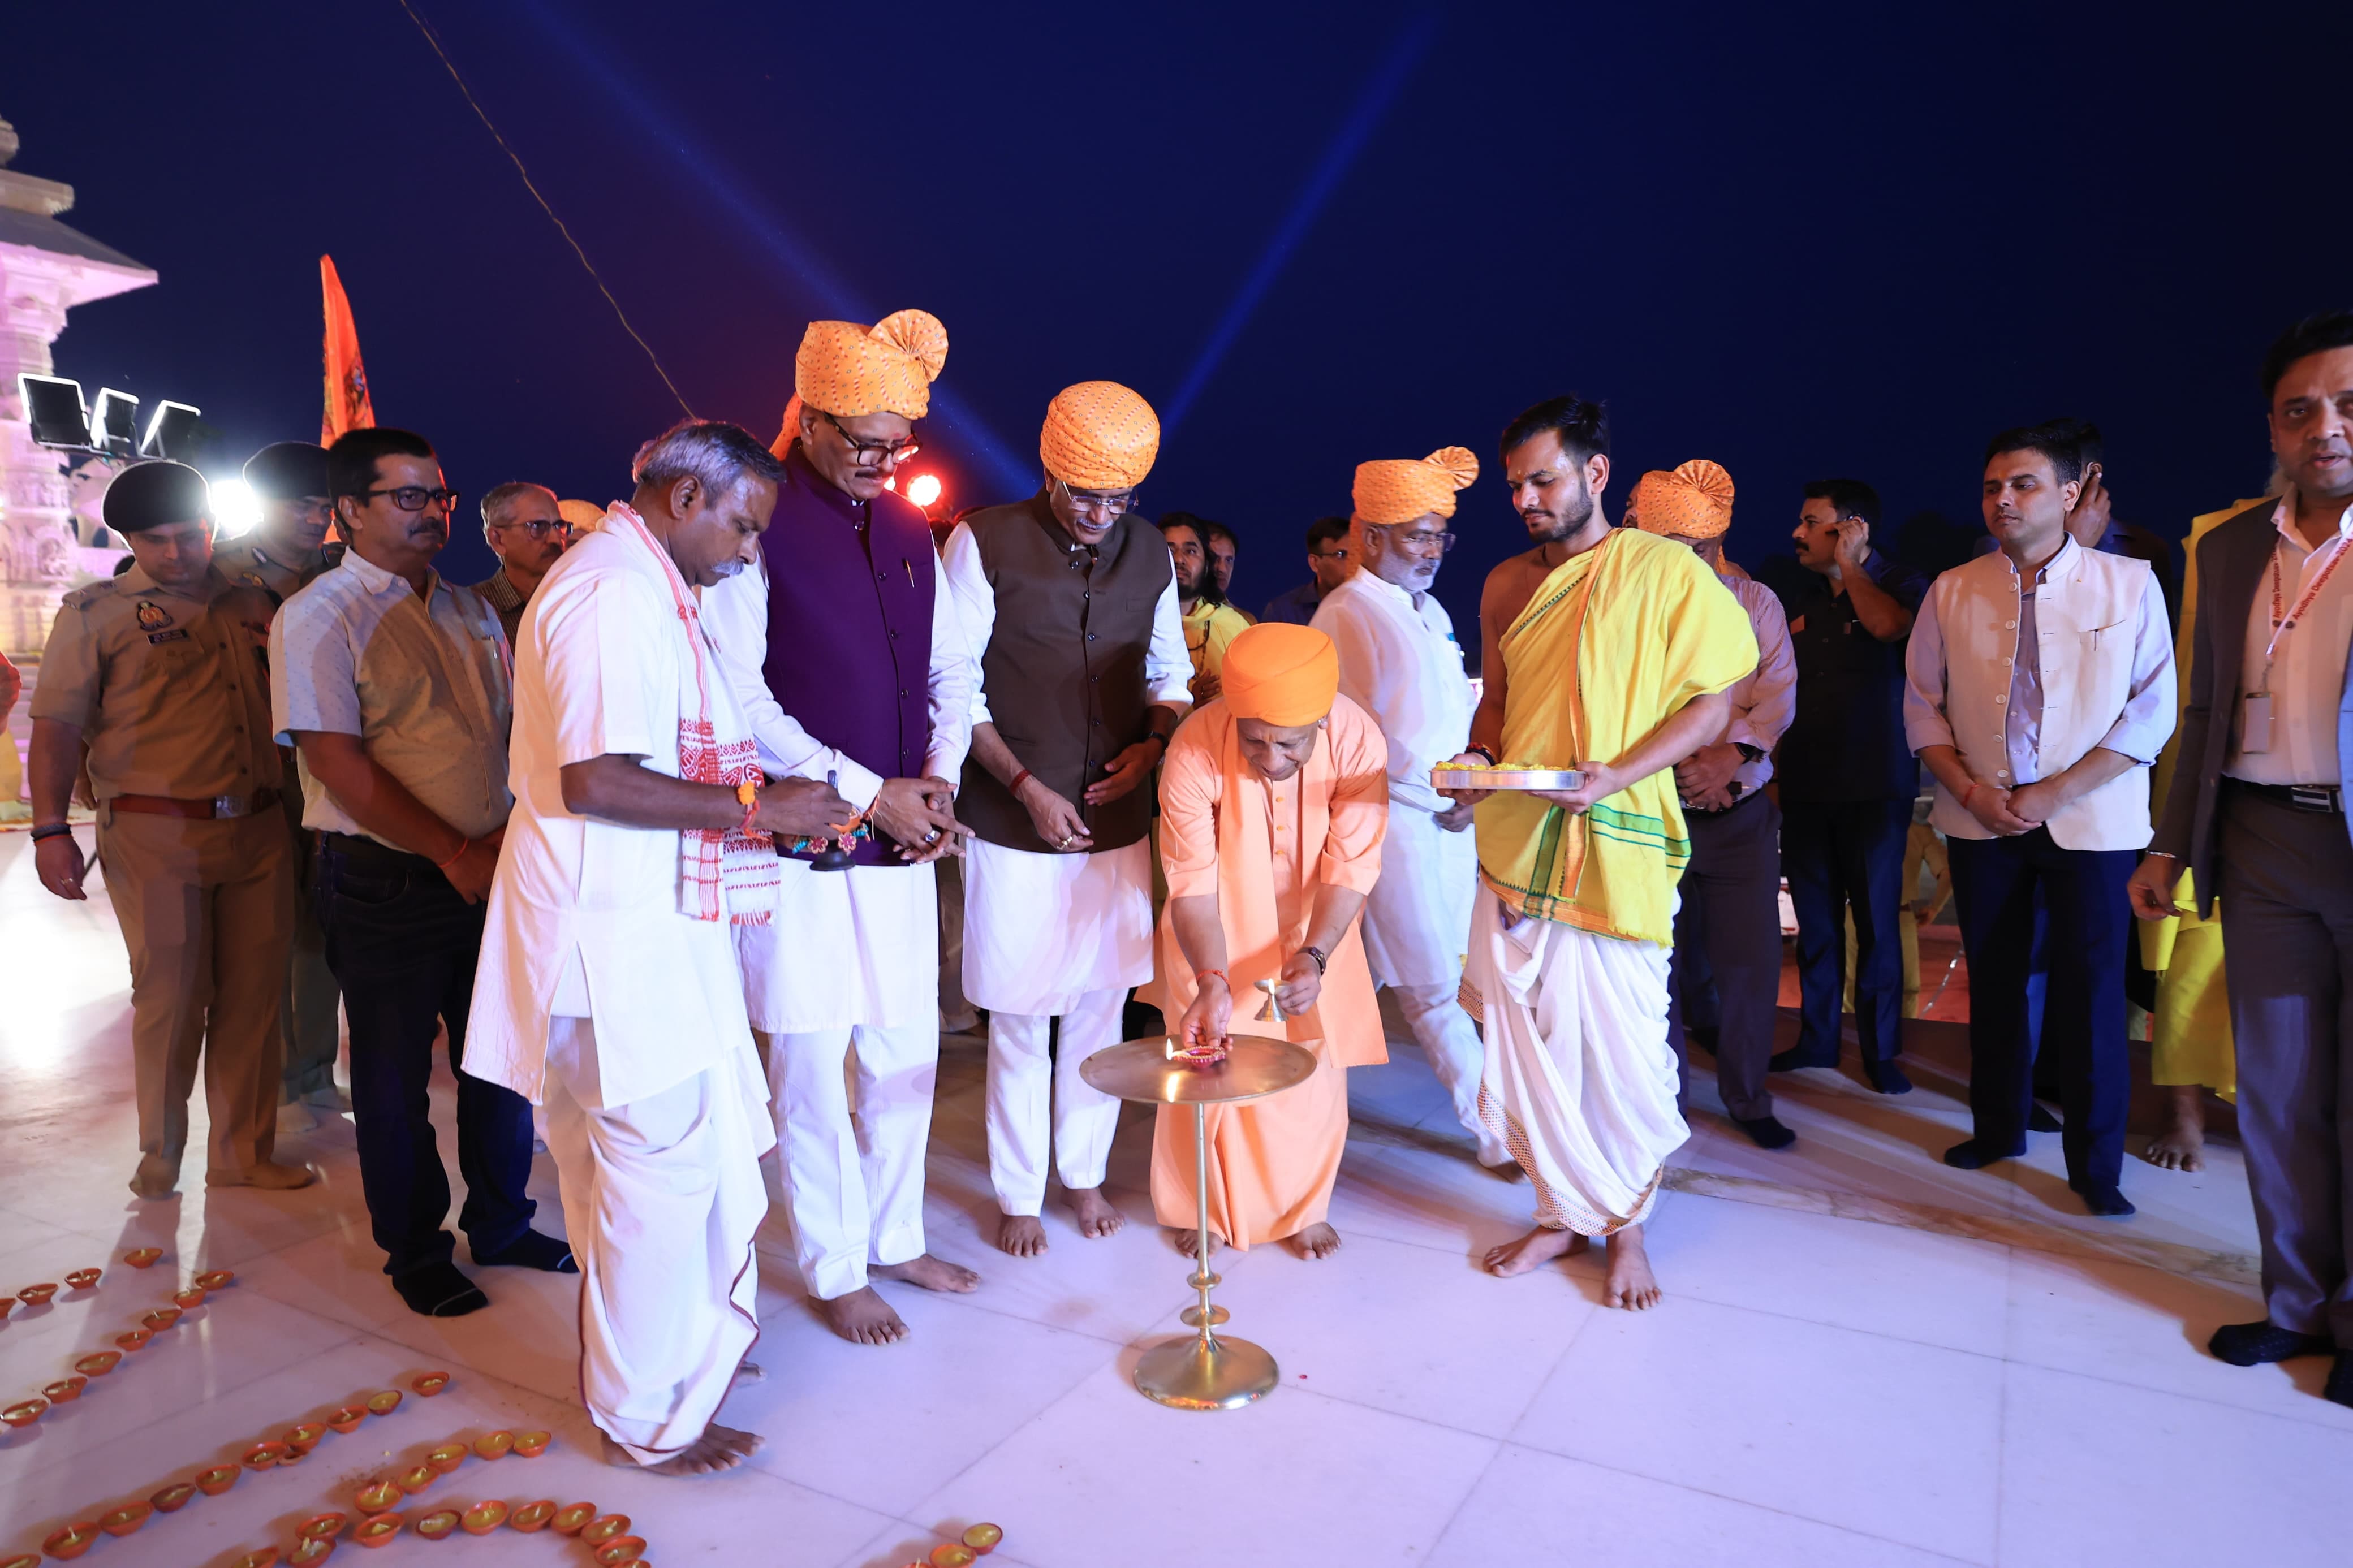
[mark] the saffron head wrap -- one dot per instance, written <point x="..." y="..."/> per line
<point x="1695" y="501"/>
<point x="1281" y="673"/>
<point x="1099" y="436"/>
<point x="850" y="371"/>
<point x="1397" y="489"/>
<point x="583" y="515"/>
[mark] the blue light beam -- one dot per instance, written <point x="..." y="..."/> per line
<point x="1372" y="105"/>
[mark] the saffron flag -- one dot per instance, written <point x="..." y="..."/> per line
<point x="348" y="405"/>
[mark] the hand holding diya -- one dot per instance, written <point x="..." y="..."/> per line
<point x="1205" y="1054"/>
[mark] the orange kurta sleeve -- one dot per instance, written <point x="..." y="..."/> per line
<point x="1360" y="802"/>
<point x="1190" y="783"/>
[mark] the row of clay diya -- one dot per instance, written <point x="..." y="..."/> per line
<point x="380" y="1494"/>
<point x="607" y="1536"/>
<point x="25" y="1412"/>
<point x="978" y="1542"/>
<point x="271" y="1453"/>
<point x="79" y="1279"/>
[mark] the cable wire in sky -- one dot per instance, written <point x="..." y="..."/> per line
<point x="451" y="65"/>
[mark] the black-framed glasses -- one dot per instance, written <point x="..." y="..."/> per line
<point x="1339" y="555"/>
<point x="874" y="454"/>
<point x="541" y="528"/>
<point x="1423" y="542"/>
<point x="1119" y="503"/>
<point x="415" y="497"/>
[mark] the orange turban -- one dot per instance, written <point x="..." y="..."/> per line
<point x="1397" y="491"/>
<point x="1099" y="436"/>
<point x="1283" y="674"/>
<point x="583" y="515"/>
<point x="850" y="371"/>
<point x="1695" y="501"/>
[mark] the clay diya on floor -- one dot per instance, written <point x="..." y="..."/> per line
<point x="7" y="1305"/>
<point x="494" y="1445"/>
<point x="98" y="1363"/>
<point x="29" y="1560"/>
<point x="429" y="1384"/>
<point x="36" y="1294"/>
<point x="953" y="1554"/>
<point x="377" y="1530"/>
<point x="159" y="1319"/>
<point x="571" y="1516"/>
<point x="25" y="1412"/>
<point x="262" y="1455"/>
<point x="984" y="1539"/>
<point x="217" y="1479"/>
<point x="308" y="1552"/>
<point x="323" y="1526"/>
<point x="446" y="1458"/>
<point x="306" y="1436"/>
<point x="417" y="1479"/>
<point x="72" y="1540"/>
<point x="348" y="1418"/>
<point x="620" y="1549"/>
<point x="173" y="1497"/>
<point x="142" y="1257"/>
<point x="384" y="1404"/>
<point x="531" y="1444"/>
<point x="264" y="1558"/>
<point x="438" y="1523"/>
<point x="65" y="1390"/>
<point x="533" y="1516"/>
<point x="136" y="1340"/>
<point x="377" y="1496"/>
<point x="194" y="1296"/>
<point x="83" y="1278"/>
<point x="597" y="1532"/>
<point x="484" y="1517"/>
<point x="126" y="1519"/>
<point x="214" y="1278"/>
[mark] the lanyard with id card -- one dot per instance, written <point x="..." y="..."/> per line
<point x="2255" y="706"/>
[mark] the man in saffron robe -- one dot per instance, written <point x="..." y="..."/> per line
<point x="1273" y="802"/>
<point x="1615" y="666"/>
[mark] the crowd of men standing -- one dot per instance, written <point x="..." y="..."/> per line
<point x="650" y="822"/>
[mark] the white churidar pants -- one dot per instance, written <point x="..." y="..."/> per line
<point x="853" y="1179"/>
<point x="1579" y="1080"/>
<point x="1021" y="1081"/>
<point x="660" y="1198"/>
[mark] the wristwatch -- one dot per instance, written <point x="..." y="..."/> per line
<point x="1754" y="754"/>
<point x="1319" y="955"/>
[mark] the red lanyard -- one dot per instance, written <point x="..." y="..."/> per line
<point x="2282" y="625"/>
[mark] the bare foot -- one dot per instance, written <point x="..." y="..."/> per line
<point x="1318" y="1240"/>
<point x="2182" y="1145"/>
<point x="863" y="1318"/>
<point x="1534" y="1250"/>
<point x="719" y="1449"/>
<point x="1022" y="1235"/>
<point x="1095" y="1215"/>
<point x="1189" y="1242"/>
<point x="1631" y="1284"/>
<point x="931" y="1273"/>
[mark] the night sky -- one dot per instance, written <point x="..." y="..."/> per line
<point x="1800" y="241"/>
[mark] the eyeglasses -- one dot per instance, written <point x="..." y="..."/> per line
<point x="874" y="454"/>
<point x="415" y="497"/>
<point x="541" y="529"/>
<point x="1118" y="504"/>
<point x="1339" y="555"/>
<point x="1423" y="542"/>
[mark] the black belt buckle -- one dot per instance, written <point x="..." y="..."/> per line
<point x="2313" y="798"/>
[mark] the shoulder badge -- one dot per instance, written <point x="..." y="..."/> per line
<point x="153" y="617"/>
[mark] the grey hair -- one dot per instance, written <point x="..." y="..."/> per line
<point x="502" y="499"/>
<point x="712" y="451"/>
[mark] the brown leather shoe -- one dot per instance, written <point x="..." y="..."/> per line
<point x="156" y="1176"/>
<point x="269" y="1176"/>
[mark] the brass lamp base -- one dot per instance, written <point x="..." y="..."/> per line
<point x="1206" y="1373"/>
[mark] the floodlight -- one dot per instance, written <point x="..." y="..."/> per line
<point x="235" y="510"/>
<point x="54" y="408"/>
<point x="115" y="420"/>
<point x="169" y="430"/>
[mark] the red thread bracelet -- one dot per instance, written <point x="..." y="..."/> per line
<point x="1201" y="975"/>
<point x="1969" y="794"/>
<point x="460" y="855"/>
<point x="1017" y="779"/>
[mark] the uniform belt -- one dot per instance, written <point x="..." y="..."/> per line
<point x="219" y="806"/>
<point x="2300" y="797"/>
<point x="368" y="851"/>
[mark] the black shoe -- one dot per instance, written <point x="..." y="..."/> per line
<point x="1704" y="1039"/>
<point x="1792" y="1059"/>
<point x="2339" y="1386"/>
<point x="1977" y="1153"/>
<point x="439" y="1290"/>
<point x="2104" y="1199"/>
<point x="1767" y="1130"/>
<point x="531" y="1250"/>
<point x="2040" y="1119"/>
<point x="2255" y="1344"/>
<point x="1886" y="1077"/>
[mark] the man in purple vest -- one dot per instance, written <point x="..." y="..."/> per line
<point x="1069" y="604"/>
<point x="845" y="647"/>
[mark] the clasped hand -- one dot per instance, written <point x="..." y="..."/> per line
<point x="919" y="814"/>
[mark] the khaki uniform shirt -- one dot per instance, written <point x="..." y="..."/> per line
<point x="170" y="687"/>
<point x="245" y="560"/>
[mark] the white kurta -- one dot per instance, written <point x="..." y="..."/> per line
<point x="1399" y="662"/>
<point x="1580" y="1082"/>
<point x="859" y="947"/>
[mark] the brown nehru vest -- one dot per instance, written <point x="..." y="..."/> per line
<point x="1063" y="670"/>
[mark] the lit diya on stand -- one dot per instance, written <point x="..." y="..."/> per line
<point x="1206" y="1371"/>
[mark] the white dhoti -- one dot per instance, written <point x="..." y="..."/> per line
<point x="1048" y="936"/>
<point x="1579" y="1080"/>
<point x="844" y="984"/>
<point x="1417" y="929"/>
<point x="660" y="1198"/>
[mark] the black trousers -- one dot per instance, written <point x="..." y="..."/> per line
<point x="1843" y="855"/>
<point x="1995" y="881"/>
<point x="1725" y="972"/>
<point x="403" y="945"/>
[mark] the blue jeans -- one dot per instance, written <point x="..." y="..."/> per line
<point x="403" y="945"/>
<point x="1995" y="882"/>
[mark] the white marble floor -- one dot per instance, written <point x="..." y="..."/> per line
<point x="1863" y="1358"/>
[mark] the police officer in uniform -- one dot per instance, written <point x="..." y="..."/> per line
<point x="161" y="674"/>
<point x="286" y="549"/>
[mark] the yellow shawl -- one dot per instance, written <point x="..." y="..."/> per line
<point x="1614" y="642"/>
